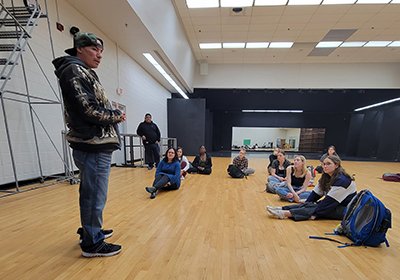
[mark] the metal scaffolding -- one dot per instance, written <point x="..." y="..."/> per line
<point x="16" y="26"/>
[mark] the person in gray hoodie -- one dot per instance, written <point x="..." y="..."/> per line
<point x="92" y="134"/>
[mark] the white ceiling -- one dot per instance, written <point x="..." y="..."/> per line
<point x="304" y="25"/>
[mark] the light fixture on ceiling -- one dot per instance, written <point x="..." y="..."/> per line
<point x="257" y="45"/>
<point x="394" y="44"/>
<point x="304" y="2"/>
<point x="328" y="44"/>
<point x="281" y="45"/>
<point x="270" y="2"/>
<point x="236" y="3"/>
<point x="159" y="68"/>
<point x="377" y="44"/>
<point x="377" y="104"/>
<point x="373" y="1"/>
<point x="352" y="44"/>
<point x="210" y="45"/>
<point x="233" y="45"/>
<point x="192" y="4"/>
<point x="338" y="2"/>
<point x="272" y="111"/>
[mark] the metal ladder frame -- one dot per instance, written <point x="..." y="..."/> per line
<point x="15" y="56"/>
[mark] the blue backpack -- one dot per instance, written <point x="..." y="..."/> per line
<point x="365" y="222"/>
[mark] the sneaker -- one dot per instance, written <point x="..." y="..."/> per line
<point x="149" y="167"/>
<point x="274" y="207"/>
<point x="152" y="191"/>
<point x="103" y="250"/>
<point x="280" y="214"/>
<point x="107" y="233"/>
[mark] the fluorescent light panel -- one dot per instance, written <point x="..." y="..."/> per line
<point x="236" y="3"/>
<point x="394" y="44"/>
<point x="373" y="1"/>
<point x="272" y="111"/>
<point x="304" y="2"/>
<point x="352" y="44"/>
<point x="257" y="45"/>
<point x="281" y="45"/>
<point x="202" y="3"/>
<point x="210" y="45"/>
<point x="337" y="2"/>
<point x="377" y="104"/>
<point x="233" y="45"/>
<point x="377" y="43"/>
<point x="151" y="59"/>
<point x="328" y="44"/>
<point x="271" y="2"/>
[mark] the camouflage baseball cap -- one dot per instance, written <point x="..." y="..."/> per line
<point x="82" y="39"/>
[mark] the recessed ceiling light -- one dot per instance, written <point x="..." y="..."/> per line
<point x="202" y="4"/>
<point x="352" y="44"/>
<point x="257" y="45"/>
<point x="271" y="2"/>
<point x="377" y="43"/>
<point x="304" y="2"/>
<point x="233" y="45"/>
<point x="281" y="45"/>
<point x="337" y="2"/>
<point x="236" y="3"/>
<point x="210" y="46"/>
<point x="328" y="44"/>
<point x="394" y="44"/>
<point x="372" y="1"/>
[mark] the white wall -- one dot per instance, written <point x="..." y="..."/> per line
<point x="160" y="19"/>
<point x="141" y="94"/>
<point x="367" y="75"/>
<point x="263" y="135"/>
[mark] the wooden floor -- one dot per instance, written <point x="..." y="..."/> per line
<point x="214" y="227"/>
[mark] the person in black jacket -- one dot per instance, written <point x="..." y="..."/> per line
<point x="151" y="135"/>
<point x="93" y="136"/>
<point x="202" y="163"/>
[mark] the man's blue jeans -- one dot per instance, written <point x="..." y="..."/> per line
<point x="94" y="169"/>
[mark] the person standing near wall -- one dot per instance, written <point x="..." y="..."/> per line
<point x="151" y="135"/>
<point x="93" y="136"/>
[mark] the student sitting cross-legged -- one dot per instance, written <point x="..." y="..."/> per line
<point x="297" y="180"/>
<point x="168" y="174"/>
<point x="336" y="187"/>
<point x="242" y="163"/>
<point x="202" y="163"/>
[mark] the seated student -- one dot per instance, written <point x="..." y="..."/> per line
<point x="185" y="165"/>
<point x="278" y="172"/>
<point x="335" y="185"/>
<point x="168" y="174"/>
<point x="202" y="163"/>
<point x="272" y="157"/>
<point x="331" y="151"/>
<point x="297" y="180"/>
<point x="242" y="163"/>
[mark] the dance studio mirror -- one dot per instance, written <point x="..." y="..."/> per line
<point x="288" y="139"/>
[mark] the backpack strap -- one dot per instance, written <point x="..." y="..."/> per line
<point x="344" y="244"/>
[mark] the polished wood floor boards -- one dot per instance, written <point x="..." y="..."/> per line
<point x="214" y="227"/>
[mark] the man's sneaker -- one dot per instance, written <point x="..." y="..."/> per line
<point x="103" y="250"/>
<point x="107" y="233"/>
<point x="149" y="167"/>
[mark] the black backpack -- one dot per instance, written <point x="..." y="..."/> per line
<point x="235" y="172"/>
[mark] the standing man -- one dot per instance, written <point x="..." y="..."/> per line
<point x="151" y="137"/>
<point x="93" y="136"/>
